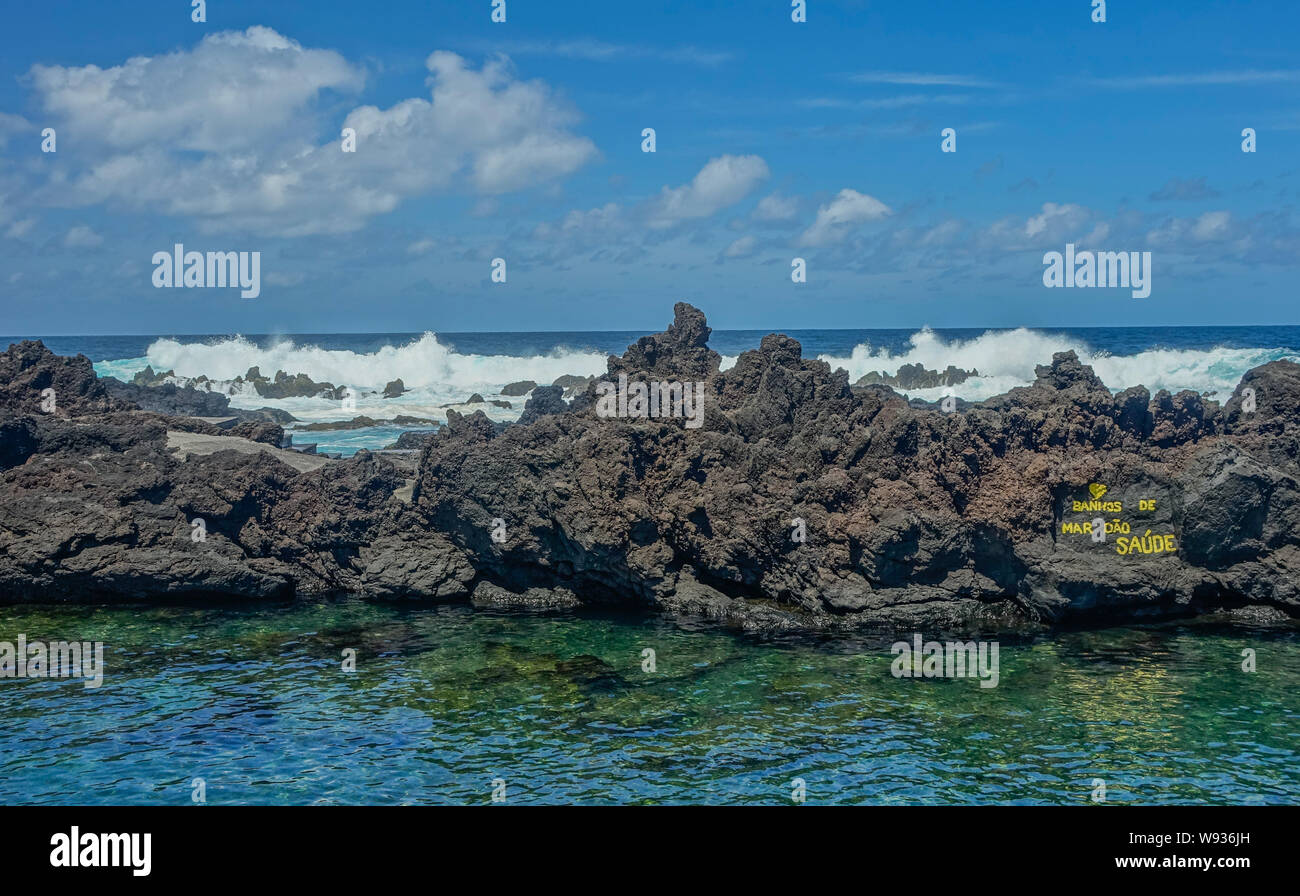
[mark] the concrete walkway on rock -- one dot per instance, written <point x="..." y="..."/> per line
<point x="188" y="443"/>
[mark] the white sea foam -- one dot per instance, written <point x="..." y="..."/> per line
<point x="1006" y="359"/>
<point x="424" y="362"/>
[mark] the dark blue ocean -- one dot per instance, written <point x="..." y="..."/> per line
<point x="1117" y="340"/>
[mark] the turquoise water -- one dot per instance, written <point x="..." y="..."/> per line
<point x="447" y="699"/>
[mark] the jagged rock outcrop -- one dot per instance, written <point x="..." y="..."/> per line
<point x="409" y="441"/>
<point x="909" y="513"/>
<point x="28" y="369"/>
<point x="799" y="501"/>
<point x="572" y="384"/>
<point x="917" y="376"/>
<point x="515" y="390"/>
<point x="282" y="385"/>
<point x="395" y="388"/>
<point x="300" y="385"/>
<point x="169" y="398"/>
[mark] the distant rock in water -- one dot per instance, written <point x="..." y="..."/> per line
<point x="474" y="399"/>
<point x="361" y="422"/>
<point x="523" y="387"/>
<point x="284" y="386"/>
<point x="544" y="400"/>
<point x="148" y="377"/>
<point x="409" y="440"/>
<point x="915" y="376"/>
<point x="169" y="399"/>
<point x="173" y="400"/>
<point x="395" y="388"/>
<point x="573" y="385"/>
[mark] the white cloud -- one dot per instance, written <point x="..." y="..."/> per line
<point x="721" y="183"/>
<point x="231" y="90"/>
<point x="585" y="226"/>
<point x="1210" y="227"/>
<point x="921" y="79"/>
<point x="239" y="99"/>
<point x="603" y="51"/>
<point x="420" y="247"/>
<point x="11" y="125"/>
<point x="1056" y="220"/>
<point x="1198" y="79"/>
<point x="82" y="237"/>
<point x="837" y="217"/>
<point x="888" y="102"/>
<point x="20" y="229"/>
<point x="776" y="208"/>
<point x="741" y="248"/>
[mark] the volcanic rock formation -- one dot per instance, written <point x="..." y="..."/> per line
<point x="799" y="503"/>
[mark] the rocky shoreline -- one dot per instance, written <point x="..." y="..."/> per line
<point x="799" y="503"/>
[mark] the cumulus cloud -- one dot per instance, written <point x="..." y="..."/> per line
<point x="1210" y="227"/>
<point x="231" y="90"/>
<point x="20" y="229"/>
<point x="776" y="208"/>
<point x="11" y="126"/>
<point x="584" y="226"/>
<point x="1056" y="220"/>
<point x="836" y="219"/>
<point x="721" y="183"/>
<point x="603" y="51"/>
<point x="82" y="237"/>
<point x="740" y="248"/>
<point x="922" y="79"/>
<point x="239" y="102"/>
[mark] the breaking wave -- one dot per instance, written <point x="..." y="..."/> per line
<point x="422" y="363"/>
<point x="1006" y="359"/>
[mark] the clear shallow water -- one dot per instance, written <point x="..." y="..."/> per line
<point x="446" y="699"/>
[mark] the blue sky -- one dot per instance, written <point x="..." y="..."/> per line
<point x="522" y="141"/>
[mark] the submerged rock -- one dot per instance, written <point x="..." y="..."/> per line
<point x="523" y="387"/>
<point x="409" y="440"/>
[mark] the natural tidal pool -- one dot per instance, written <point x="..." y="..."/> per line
<point x="445" y="700"/>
